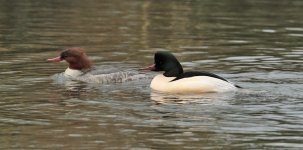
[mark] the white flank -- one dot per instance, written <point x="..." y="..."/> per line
<point x="196" y="84"/>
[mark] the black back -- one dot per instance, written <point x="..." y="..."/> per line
<point x="202" y="73"/>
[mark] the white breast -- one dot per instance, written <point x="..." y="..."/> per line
<point x="197" y="84"/>
<point x="72" y="73"/>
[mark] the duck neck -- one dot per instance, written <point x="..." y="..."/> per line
<point x="81" y="65"/>
<point x="174" y="72"/>
<point x="75" y="66"/>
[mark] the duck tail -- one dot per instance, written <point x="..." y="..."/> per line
<point x="237" y="86"/>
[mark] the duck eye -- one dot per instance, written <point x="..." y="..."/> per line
<point x="64" y="55"/>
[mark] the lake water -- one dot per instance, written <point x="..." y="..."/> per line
<point x="256" y="44"/>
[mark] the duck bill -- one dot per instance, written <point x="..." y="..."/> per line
<point x="56" y="59"/>
<point x="151" y="68"/>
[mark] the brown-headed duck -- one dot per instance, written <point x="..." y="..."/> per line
<point x="78" y="62"/>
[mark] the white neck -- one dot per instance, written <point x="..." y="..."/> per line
<point x="72" y="73"/>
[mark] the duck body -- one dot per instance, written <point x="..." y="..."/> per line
<point x="81" y="68"/>
<point x="99" y="76"/>
<point x="174" y="80"/>
<point x="195" y="84"/>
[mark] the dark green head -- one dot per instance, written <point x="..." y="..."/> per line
<point x="167" y="62"/>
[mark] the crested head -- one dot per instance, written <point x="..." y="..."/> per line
<point x="75" y="57"/>
<point x="167" y="62"/>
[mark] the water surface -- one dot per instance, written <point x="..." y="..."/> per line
<point x="256" y="44"/>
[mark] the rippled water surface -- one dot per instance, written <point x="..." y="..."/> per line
<point x="256" y="44"/>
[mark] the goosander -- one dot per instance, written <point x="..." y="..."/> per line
<point x="80" y="67"/>
<point x="77" y="60"/>
<point x="174" y="80"/>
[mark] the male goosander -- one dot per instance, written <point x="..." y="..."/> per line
<point x="174" y="80"/>
<point x="81" y="68"/>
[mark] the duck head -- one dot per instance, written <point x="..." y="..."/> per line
<point x="75" y="57"/>
<point x="167" y="62"/>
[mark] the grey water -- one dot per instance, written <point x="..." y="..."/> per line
<point x="255" y="44"/>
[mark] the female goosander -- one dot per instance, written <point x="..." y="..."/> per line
<point x="81" y="68"/>
<point x="77" y="60"/>
<point x="174" y="80"/>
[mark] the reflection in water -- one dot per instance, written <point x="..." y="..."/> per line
<point x="162" y="98"/>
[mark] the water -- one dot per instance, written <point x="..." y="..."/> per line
<point x="256" y="44"/>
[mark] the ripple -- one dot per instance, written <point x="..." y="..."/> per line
<point x="4" y="62"/>
<point x="238" y="41"/>
<point x="6" y="88"/>
<point x="250" y="58"/>
<point x="23" y="122"/>
<point x="191" y="53"/>
<point x="294" y="29"/>
<point x="205" y="61"/>
<point x="10" y="72"/>
<point x="268" y="30"/>
<point x="194" y="47"/>
<point x="295" y="35"/>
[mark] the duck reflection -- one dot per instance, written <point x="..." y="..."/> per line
<point x="206" y="98"/>
<point x="73" y="88"/>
